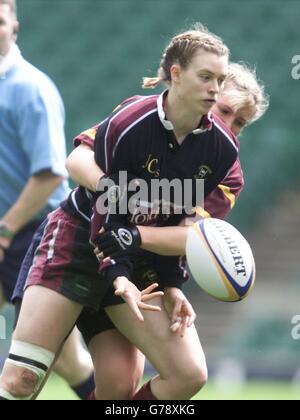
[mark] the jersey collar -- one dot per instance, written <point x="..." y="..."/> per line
<point x="206" y="122"/>
<point x="161" y="112"/>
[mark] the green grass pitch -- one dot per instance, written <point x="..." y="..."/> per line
<point x="56" y="389"/>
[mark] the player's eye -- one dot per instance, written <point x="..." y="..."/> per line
<point x="205" y="77"/>
<point x="224" y="111"/>
<point x="240" y="123"/>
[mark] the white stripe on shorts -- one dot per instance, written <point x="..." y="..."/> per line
<point x="52" y="242"/>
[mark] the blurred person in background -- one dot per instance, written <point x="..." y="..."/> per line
<point x="32" y="174"/>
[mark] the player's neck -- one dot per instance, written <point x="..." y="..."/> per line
<point x="10" y="59"/>
<point x="183" y="119"/>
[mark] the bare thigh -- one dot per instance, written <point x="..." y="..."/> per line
<point x="167" y="352"/>
<point x="46" y="318"/>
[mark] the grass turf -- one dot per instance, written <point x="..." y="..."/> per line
<point x="56" y="389"/>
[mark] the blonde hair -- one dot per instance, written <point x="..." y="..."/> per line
<point x="244" y="90"/>
<point x="182" y="49"/>
<point x="12" y="4"/>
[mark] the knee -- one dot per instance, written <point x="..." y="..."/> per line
<point x="123" y="389"/>
<point x="116" y="384"/>
<point x="18" y="382"/>
<point x="191" y="380"/>
<point x="198" y="380"/>
<point x="24" y="371"/>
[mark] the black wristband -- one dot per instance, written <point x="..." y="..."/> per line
<point x="169" y="271"/>
<point x="137" y="239"/>
<point x="120" y="269"/>
<point x="175" y="283"/>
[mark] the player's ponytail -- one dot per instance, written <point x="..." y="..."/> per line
<point x="151" y="82"/>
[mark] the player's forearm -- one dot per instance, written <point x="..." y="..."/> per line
<point x="166" y="241"/>
<point x="33" y="198"/>
<point x="83" y="169"/>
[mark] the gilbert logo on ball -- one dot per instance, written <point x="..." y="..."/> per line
<point x="220" y="260"/>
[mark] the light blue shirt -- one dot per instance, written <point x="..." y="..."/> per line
<point x="32" y="135"/>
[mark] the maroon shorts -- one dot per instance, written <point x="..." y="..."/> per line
<point x="63" y="260"/>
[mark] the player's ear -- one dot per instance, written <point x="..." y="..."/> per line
<point x="175" y="72"/>
<point x="16" y="30"/>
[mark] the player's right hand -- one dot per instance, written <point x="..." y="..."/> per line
<point x="135" y="298"/>
<point x="117" y="240"/>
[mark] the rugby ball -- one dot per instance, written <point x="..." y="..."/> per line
<point x="220" y="260"/>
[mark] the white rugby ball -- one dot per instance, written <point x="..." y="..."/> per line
<point x="220" y="260"/>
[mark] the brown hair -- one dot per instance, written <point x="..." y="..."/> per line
<point x="182" y="49"/>
<point x="12" y="4"/>
<point x="245" y="90"/>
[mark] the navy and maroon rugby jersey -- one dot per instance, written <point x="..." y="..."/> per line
<point x="139" y="139"/>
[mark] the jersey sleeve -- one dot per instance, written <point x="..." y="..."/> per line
<point x="222" y="199"/>
<point x="87" y="137"/>
<point x="41" y="119"/>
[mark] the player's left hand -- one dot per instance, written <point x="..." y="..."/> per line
<point x="180" y="310"/>
<point x="117" y="240"/>
<point x="135" y="298"/>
